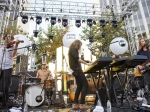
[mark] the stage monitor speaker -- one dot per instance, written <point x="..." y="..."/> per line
<point x="14" y="84"/>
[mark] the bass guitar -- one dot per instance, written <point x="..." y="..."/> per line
<point x="57" y="97"/>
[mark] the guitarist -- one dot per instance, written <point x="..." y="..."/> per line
<point x="144" y="50"/>
<point x="75" y="66"/>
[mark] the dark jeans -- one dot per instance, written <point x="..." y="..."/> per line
<point x="82" y="86"/>
<point x="147" y="78"/>
<point x="6" y="79"/>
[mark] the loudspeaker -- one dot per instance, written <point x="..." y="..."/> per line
<point x="14" y="85"/>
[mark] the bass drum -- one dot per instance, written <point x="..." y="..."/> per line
<point x="31" y="93"/>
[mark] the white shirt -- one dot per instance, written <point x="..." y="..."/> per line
<point x="6" y="57"/>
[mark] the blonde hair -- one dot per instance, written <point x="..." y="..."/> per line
<point x="76" y="44"/>
<point x="140" y="46"/>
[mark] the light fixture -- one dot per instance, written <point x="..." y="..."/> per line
<point x="94" y="22"/>
<point x="89" y="22"/>
<point x="104" y="35"/>
<point x="24" y="19"/>
<point x="35" y="33"/>
<point x="31" y="19"/>
<point x="47" y="20"/>
<point x="91" y="39"/>
<point x="38" y="19"/>
<point x="53" y="20"/>
<point x="78" y="23"/>
<point x="83" y="21"/>
<point x="102" y="23"/>
<point x="114" y="23"/>
<point x="64" y="22"/>
<point x="59" y="20"/>
<point x="50" y="36"/>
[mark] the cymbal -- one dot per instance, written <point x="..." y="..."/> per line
<point x="62" y="72"/>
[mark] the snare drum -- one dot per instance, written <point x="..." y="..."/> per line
<point x="31" y="93"/>
<point x="49" y="83"/>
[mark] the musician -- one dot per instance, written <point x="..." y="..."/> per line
<point x="75" y="65"/>
<point x="143" y="49"/>
<point x="44" y="73"/>
<point x="6" y="61"/>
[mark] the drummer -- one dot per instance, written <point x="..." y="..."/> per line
<point x="44" y="73"/>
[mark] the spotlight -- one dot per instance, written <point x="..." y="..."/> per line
<point x="59" y="20"/>
<point x="53" y="20"/>
<point x="64" y="22"/>
<point x="83" y="21"/>
<point x="31" y="19"/>
<point x="104" y="35"/>
<point x="89" y="22"/>
<point x="47" y="20"/>
<point x="38" y="19"/>
<point x="24" y="19"/>
<point x="35" y="33"/>
<point x="50" y="36"/>
<point x="94" y="22"/>
<point x="102" y="23"/>
<point x="91" y="39"/>
<point x="114" y="23"/>
<point x="78" y="23"/>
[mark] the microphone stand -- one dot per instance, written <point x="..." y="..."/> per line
<point x="4" y="50"/>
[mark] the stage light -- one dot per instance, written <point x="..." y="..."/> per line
<point x="59" y="20"/>
<point x="83" y="21"/>
<point x="78" y="23"/>
<point x="47" y="20"/>
<point x="31" y="19"/>
<point x="114" y="23"/>
<point x="50" y="36"/>
<point x="104" y="35"/>
<point x="53" y="20"/>
<point x="89" y="22"/>
<point x="35" y="33"/>
<point x="102" y="23"/>
<point x="64" y="22"/>
<point x="91" y="39"/>
<point x="24" y="19"/>
<point x="94" y="22"/>
<point x="38" y="19"/>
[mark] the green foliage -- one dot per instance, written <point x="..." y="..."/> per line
<point x="46" y="45"/>
<point x="99" y="41"/>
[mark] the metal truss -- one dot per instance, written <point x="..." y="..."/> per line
<point x="7" y="9"/>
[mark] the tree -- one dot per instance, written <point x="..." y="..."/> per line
<point x="102" y="36"/>
<point x="46" y="45"/>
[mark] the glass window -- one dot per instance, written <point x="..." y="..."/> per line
<point x="144" y="4"/>
<point x="146" y="14"/>
<point x="110" y="2"/>
<point x="145" y="9"/>
<point x="138" y="28"/>
<point x="135" y="17"/>
<point x="148" y="2"/>
<point x="149" y="26"/>
<point x="139" y="16"/>
<point x="142" y="27"/>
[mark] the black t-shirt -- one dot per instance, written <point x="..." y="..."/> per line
<point x="145" y="53"/>
<point x="73" y="59"/>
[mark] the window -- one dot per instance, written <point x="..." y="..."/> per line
<point x="146" y="14"/>
<point x="135" y="17"/>
<point x="144" y="4"/>
<point x="142" y="27"/>
<point x="139" y="16"/>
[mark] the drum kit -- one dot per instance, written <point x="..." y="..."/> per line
<point x="34" y="92"/>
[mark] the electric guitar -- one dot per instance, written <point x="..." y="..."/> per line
<point x="140" y="72"/>
<point x="57" y="97"/>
